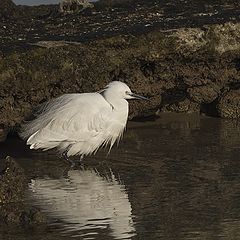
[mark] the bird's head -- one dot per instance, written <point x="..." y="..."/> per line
<point x="121" y="90"/>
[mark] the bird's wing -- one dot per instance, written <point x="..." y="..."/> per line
<point x="72" y="118"/>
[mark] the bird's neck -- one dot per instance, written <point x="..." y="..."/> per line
<point x="115" y="102"/>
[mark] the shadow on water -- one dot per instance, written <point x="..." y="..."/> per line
<point x="176" y="178"/>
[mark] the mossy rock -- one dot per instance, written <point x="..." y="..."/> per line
<point x="229" y="105"/>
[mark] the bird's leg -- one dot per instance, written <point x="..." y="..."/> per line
<point x="65" y="156"/>
<point x="80" y="160"/>
<point x="77" y="163"/>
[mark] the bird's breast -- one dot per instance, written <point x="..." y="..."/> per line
<point x="117" y="123"/>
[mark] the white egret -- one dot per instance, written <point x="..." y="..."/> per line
<point x="79" y="124"/>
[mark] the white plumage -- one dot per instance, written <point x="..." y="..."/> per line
<point x="78" y="124"/>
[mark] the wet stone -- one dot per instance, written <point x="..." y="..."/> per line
<point x="14" y="183"/>
<point x="229" y="105"/>
<point x="185" y="106"/>
<point x="3" y="133"/>
<point x="204" y="94"/>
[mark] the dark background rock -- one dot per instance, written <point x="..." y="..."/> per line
<point x="74" y="6"/>
<point x="111" y="18"/>
<point x="7" y="9"/>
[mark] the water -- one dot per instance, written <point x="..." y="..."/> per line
<point x="177" y="178"/>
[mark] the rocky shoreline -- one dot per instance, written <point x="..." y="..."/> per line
<point x="185" y="64"/>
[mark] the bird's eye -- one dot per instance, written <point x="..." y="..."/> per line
<point x="127" y="92"/>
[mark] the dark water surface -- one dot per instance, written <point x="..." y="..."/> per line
<point x="177" y="178"/>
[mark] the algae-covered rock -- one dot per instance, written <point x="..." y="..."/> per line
<point x="190" y="39"/>
<point x="14" y="183"/>
<point x="3" y="133"/>
<point x="220" y="38"/>
<point x="204" y="94"/>
<point x="179" y="70"/>
<point x="17" y="214"/>
<point x="184" y="106"/>
<point x="71" y="6"/>
<point x="227" y="37"/>
<point x="229" y="105"/>
<point x="152" y="65"/>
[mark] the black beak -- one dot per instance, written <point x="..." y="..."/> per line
<point x="136" y="96"/>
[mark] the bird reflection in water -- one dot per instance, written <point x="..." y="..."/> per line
<point x="86" y="203"/>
